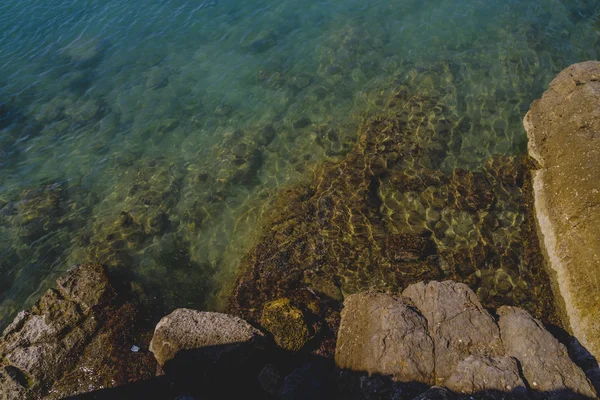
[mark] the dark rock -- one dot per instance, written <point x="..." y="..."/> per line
<point x="264" y="44"/>
<point x="389" y="183"/>
<point x="266" y="135"/>
<point x="436" y="393"/>
<point x="310" y="381"/>
<point x="476" y="374"/>
<point x="382" y="334"/>
<point x="269" y="378"/>
<point x="39" y="210"/>
<point x="223" y="109"/>
<point x="287" y="324"/>
<point x="457" y="323"/>
<point x="544" y="360"/>
<point x="403" y="247"/>
<point x="302" y="123"/>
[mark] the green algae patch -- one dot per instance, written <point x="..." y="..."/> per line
<point x="286" y="323"/>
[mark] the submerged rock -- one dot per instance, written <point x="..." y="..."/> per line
<point x="436" y="393"/>
<point x="287" y="324"/>
<point x="39" y="210"/>
<point x="386" y="215"/>
<point x="562" y="128"/>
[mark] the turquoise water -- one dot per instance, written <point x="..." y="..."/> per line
<point x="149" y="135"/>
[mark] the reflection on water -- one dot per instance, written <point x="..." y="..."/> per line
<point x="156" y="136"/>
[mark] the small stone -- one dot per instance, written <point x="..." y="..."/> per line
<point x="135" y="348"/>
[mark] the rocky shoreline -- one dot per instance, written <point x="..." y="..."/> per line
<point x="434" y="340"/>
<point x="362" y="284"/>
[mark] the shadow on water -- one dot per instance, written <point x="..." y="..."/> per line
<point x="267" y="374"/>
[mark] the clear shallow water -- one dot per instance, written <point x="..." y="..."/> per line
<point x="149" y="135"/>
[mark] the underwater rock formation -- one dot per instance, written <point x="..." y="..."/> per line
<point x="35" y="226"/>
<point x="286" y="323"/>
<point x="563" y="136"/>
<point x="386" y="216"/>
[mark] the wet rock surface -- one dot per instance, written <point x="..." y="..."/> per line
<point x="73" y="330"/>
<point x="563" y="128"/>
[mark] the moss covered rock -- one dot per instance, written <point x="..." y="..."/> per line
<point x="287" y="324"/>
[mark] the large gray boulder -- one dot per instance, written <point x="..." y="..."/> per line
<point x="383" y="334"/>
<point x="476" y="374"/>
<point x="457" y="322"/>
<point x="563" y="128"/>
<point x="544" y="360"/>
<point x="202" y="337"/>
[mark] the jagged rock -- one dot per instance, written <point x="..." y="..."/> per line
<point x="107" y="360"/>
<point x="286" y="323"/>
<point x="544" y="360"/>
<point x="383" y="334"/>
<point x="475" y="374"/>
<point x="457" y="323"/>
<point x="39" y="210"/>
<point x="208" y="336"/>
<point x="562" y="128"/>
<point x="436" y="393"/>
<point x="44" y="343"/>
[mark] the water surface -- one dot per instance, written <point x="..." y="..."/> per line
<point x="149" y="135"/>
